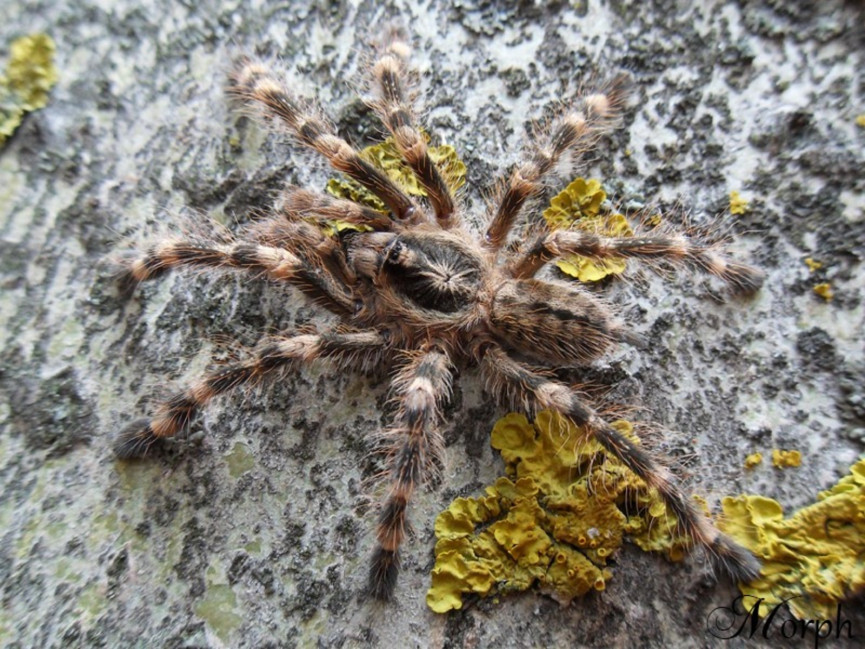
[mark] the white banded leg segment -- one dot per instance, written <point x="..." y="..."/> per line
<point x="175" y="414"/>
<point x="253" y="83"/>
<point x="273" y="262"/>
<point x="576" y="131"/>
<point x="396" y="112"/>
<point x="674" y="249"/>
<point x="519" y="387"/>
<point x="413" y="442"/>
<point x="322" y="209"/>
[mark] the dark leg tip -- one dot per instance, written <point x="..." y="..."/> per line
<point x="135" y="440"/>
<point x="126" y="284"/>
<point x="745" y="279"/>
<point x="736" y="561"/>
<point x="383" y="573"/>
<point x="633" y="339"/>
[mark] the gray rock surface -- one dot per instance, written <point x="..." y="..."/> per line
<point x="257" y="533"/>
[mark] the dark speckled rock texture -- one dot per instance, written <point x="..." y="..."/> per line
<point x="257" y="532"/>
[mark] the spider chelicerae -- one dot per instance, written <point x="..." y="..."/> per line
<point x="420" y="292"/>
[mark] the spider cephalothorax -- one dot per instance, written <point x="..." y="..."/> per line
<point x="421" y="293"/>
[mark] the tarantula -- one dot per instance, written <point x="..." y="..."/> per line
<point x="419" y="292"/>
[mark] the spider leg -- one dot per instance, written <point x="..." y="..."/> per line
<point x="324" y="209"/>
<point x="253" y="83"/>
<point x="521" y="388"/>
<point x="394" y="107"/>
<point x="175" y="414"/>
<point x="576" y="130"/>
<point x="676" y="249"/>
<point x="274" y="262"/>
<point x="308" y="241"/>
<point x="419" y="387"/>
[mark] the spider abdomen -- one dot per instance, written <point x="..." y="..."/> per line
<point x="552" y="322"/>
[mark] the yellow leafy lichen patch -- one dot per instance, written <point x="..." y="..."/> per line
<point x="30" y="75"/>
<point x="738" y="205"/>
<point x="580" y="199"/>
<point x="813" y="265"/>
<point x="579" y="205"/>
<point x="753" y="460"/>
<point x="562" y="510"/>
<point x="813" y="559"/>
<point x="386" y="157"/>
<point x="332" y="228"/>
<point x="824" y="290"/>
<point x="783" y="459"/>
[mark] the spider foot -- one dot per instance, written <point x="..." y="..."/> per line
<point x="732" y="559"/>
<point x="744" y="279"/>
<point x="135" y="440"/>
<point x="383" y="573"/>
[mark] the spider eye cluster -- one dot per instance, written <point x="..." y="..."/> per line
<point x="392" y="253"/>
<point x="436" y="275"/>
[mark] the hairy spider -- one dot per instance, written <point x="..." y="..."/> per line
<point x="421" y="293"/>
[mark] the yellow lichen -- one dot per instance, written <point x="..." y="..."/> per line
<point x="824" y="290"/>
<point x="386" y="157"/>
<point x="813" y="559"/>
<point x="554" y="520"/>
<point x="30" y="75"/>
<point x="579" y="205"/>
<point x="738" y="205"/>
<point x="813" y="264"/>
<point x="783" y="459"/>
<point x="860" y="120"/>
<point x="580" y="199"/>
<point x="753" y="460"/>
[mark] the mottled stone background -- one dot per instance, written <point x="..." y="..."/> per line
<point x="258" y="534"/>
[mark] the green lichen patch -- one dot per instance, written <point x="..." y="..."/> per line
<point x="218" y="608"/>
<point x="811" y="560"/>
<point x="561" y="512"/>
<point x="30" y="75"/>
<point x="386" y="157"/>
<point x="579" y="206"/>
<point x="92" y="601"/>
<point x="240" y="460"/>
